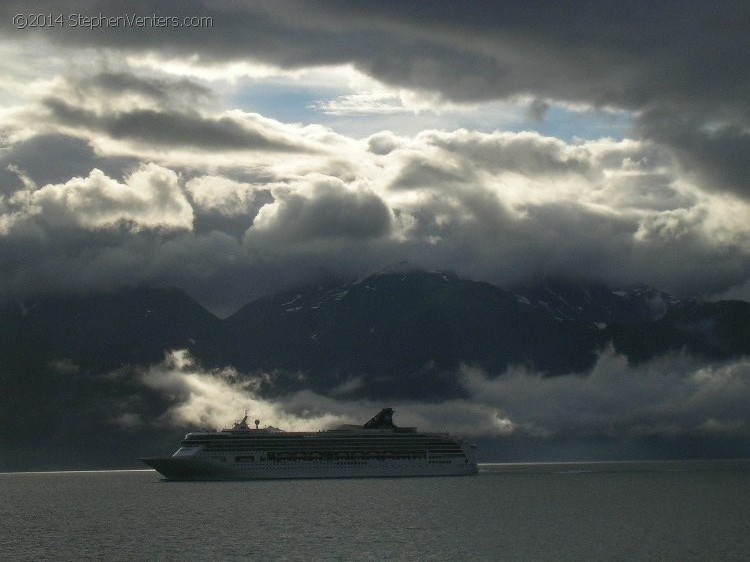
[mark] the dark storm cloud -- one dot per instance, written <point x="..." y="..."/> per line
<point x="145" y="112"/>
<point x="629" y="54"/>
<point x="479" y="238"/>
<point x="716" y="152"/>
<point x="165" y="92"/>
<point x="156" y="127"/>
<point x="91" y="232"/>
<point x="67" y="259"/>
<point x="49" y="158"/>
<point x="624" y="53"/>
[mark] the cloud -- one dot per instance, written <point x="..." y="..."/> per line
<point x="712" y="150"/>
<point x="506" y="206"/>
<point x="671" y="397"/>
<point x="215" y="398"/>
<point x="120" y="116"/>
<point x="384" y="142"/>
<point x="54" y="158"/>
<point x="602" y="54"/>
<point x="498" y="207"/>
<point x="526" y="153"/>
<point x="538" y="109"/>
<point x="680" y="70"/>
<point x="160" y="92"/>
<point x="224" y="205"/>
<point x="224" y="196"/>
<point x="229" y="132"/>
<point x="362" y="104"/>
<point x="322" y="208"/>
<point x="150" y="198"/>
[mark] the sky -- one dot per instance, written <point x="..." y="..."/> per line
<point x="273" y="143"/>
<point x="235" y="149"/>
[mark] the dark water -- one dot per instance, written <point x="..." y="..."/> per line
<point x="612" y="511"/>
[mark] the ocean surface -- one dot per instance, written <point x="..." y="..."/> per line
<point x="562" y="512"/>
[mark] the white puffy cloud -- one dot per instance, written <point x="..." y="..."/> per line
<point x="150" y="197"/>
<point x="224" y="196"/>
<point x="322" y="208"/>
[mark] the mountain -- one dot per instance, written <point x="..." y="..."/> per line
<point x="717" y="330"/>
<point x="104" y="330"/>
<point x="68" y="363"/>
<point x="65" y="365"/>
<point x="597" y="304"/>
<point x="406" y="333"/>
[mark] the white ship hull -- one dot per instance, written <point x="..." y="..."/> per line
<point x="197" y="469"/>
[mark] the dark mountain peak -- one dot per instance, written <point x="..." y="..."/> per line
<point x="378" y="290"/>
<point x="596" y="303"/>
<point x="407" y="330"/>
<point x="403" y="266"/>
<point x="131" y="324"/>
<point x="133" y="298"/>
<point x="420" y="274"/>
<point x="414" y="278"/>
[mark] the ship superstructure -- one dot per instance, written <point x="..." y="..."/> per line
<point x="377" y="448"/>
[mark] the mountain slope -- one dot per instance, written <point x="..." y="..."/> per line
<point x="106" y="329"/>
<point x="65" y="363"/>
<point x="409" y="331"/>
<point x="717" y="330"/>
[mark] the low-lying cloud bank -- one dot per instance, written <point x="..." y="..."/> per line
<point x="673" y="396"/>
<point x="497" y="207"/>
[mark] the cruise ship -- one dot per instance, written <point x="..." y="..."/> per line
<point x="377" y="448"/>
